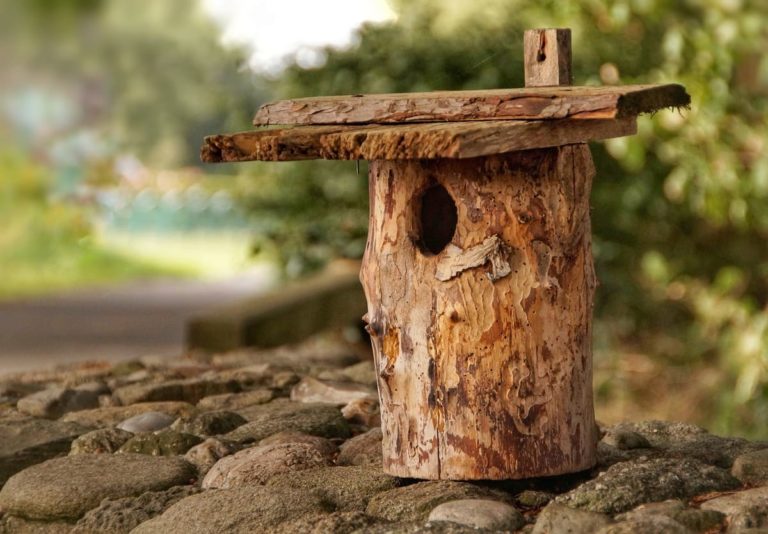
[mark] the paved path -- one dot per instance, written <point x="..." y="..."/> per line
<point x="111" y="323"/>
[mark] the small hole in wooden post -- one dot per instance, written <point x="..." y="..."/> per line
<point x="547" y="57"/>
<point x="542" y="55"/>
<point x="437" y="219"/>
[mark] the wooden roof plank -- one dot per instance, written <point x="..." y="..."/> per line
<point x="408" y="141"/>
<point x="529" y="103"/>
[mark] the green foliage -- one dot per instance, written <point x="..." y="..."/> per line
<point x="680" y="211"/>
<point x="304" y="215"/>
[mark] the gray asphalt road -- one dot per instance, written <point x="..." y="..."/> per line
<point x="111" y="323"/>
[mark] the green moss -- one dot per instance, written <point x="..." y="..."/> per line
<point x="165" y="443"/>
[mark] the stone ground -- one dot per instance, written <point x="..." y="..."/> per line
<point x="114" y="322"/>
<point x="287" y="441"/>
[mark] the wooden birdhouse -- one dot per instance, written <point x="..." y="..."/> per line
<point x="478" y="268"/>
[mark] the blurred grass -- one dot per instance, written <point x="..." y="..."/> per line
<point x="42" y="251"/>
<point x="199" y="254"/>
<point x="49" y="248"/>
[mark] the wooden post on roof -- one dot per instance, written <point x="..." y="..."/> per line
<point x="478" y="268"/>
<point x="547" y="57"/>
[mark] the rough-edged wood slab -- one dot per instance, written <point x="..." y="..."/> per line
<point x="408" y="141"/>
<point x="526" y="103"/>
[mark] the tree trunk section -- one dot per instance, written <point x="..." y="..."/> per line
<point x="482" y="334"/>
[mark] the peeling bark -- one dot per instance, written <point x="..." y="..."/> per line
<point x="483" y="350"/>
<point x="492" y="250"/>
<point x="408" y="141"/>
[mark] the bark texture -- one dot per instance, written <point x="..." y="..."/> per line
<point x="483" y="348"/>
<point x="408" y="141"/>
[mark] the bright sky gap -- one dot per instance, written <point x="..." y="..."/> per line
<point x="275" y="30"/>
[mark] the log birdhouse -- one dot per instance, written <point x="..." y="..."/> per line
<point x="478" y="268"/>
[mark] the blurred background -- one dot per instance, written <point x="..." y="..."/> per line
<point x="104" y="103"/>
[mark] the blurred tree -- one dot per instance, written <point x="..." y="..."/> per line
<point x="151" y="80"/>
<point x="681" y="209"/>
<point x="85" y="81"/>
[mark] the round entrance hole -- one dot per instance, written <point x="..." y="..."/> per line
<point x="437" y="219"/>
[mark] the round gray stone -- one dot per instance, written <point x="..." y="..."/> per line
<point x="164" y="443"/>
<point x="363" y="372"/>
<point x="699" y="520"/>
<point x="533" y="498"/>
<point x="325" y="446"/>
<point x="280" y="415"/>
<point x="625" y="439"/>
<point x="126" y="367"/>
<point x="669" y="508"/>
<point x="479" y="513"/>
<point x="692" y="518"/>
<point x="419" y="527"/>
<point x="104" y="440"/>
<point x="365" y="412"/>
<point x="66" y="488"/>
<point x="415" y="502"/>
<point x="647" y="524"/>
<point x="188" y="390"/>
<point x="559" y="519"/>
<point x="258" y="464"/>
<point x="209" y="423"/>
<point x="11" y="524"/>
<point x="146" y="422"/>
<point x="246" y="509"/>
<point x="234" y="401"/>
<point x="752" y="467"/>
<point x="54" y="402"/>
<point x="682" y="440"/>
<point x="119" y="516"/>
<point x="205" y="455"/>
<point x="628" y="484"/>
<point x="311" y="389"/>
<point x="26" y="441"/>
<point x="333" y="523"/>
<point x="348" y="488"/>
<point x="745" y="509"/>
<point x="114" y="415"/>
<point x="364" y="449"/>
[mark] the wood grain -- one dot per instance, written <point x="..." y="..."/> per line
<point x="547" y="57"/>
<point x="408" y="141"/>
<point x="532" y="103"/>
<point x="483" y="350"/>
